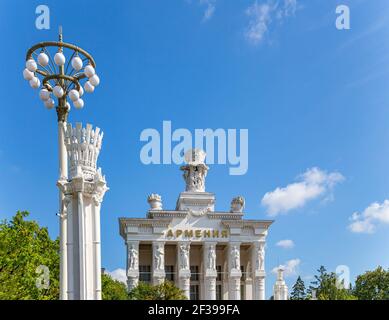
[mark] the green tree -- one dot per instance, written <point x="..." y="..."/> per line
<point x="373" y="285"/>
<point x="325" y="287"/>
<point x="113" y="289"/>
<point x="298" y="290"/>
<point x="164" y="291"/>
<point x="24" y="247"/>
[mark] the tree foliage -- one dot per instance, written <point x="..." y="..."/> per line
<point x="24" y="246"/>
<point x="372" y="285"/>
<point x="298" y="290"/>
<point x="324" y="287"/>
<point x="164" y="291"/>
<point x="113" y="289"/>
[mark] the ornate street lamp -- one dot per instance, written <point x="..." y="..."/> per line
<point x="60" y="79"/>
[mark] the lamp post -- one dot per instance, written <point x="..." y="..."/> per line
<point x="60" y="78"/>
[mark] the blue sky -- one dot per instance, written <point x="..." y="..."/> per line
<point x="314" y="99"/>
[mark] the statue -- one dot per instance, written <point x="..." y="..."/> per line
<point x="211" y="258"/>
<point x="235" y="258"/>
<point x="237" y="204"/>
<point x="261" y="257"/>
<point x="159" y="257"/>
<point x="195" y="171"/>
<point x="184" y="256"/>
<point x="132" y="258"/>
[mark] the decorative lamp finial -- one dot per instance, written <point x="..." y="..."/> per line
<point x="155" y="201"/>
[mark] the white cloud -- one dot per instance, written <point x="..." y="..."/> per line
<point x="314" y="183"/>
<point x="367" y="221"/>
<point x="262" y="15"/>
<point x="118" y="274"/>
<point x="209" y="10"/>
<point x="286" y="244"/>
<point x="290" y="267"/>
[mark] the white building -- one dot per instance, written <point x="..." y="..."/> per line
<point x="208" y="254"/>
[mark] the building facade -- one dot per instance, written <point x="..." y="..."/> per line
<point x="208" y="254"/>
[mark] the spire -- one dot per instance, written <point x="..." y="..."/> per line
<point x="280" y="289"/>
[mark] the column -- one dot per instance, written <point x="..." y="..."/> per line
<point x="183" y="267"/>
<point x="234" y="273"/>
<point x="132" y="264"/>
<point x="210" y="273"/>
<point x="83" y="194"/>
<point x="258" y="269"/>
<point x="63" y="175"/>
<point x="158" y="262"/>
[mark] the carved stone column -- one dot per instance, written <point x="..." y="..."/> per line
<point x="158" y="262"/>
<point x="234" y="273"/>
<point x="258" y="263"/>
<point x="183" y="253"/>
<point x="83" y="194"/>
<point x="132" y="264"/>
<point x="210" y="273"/>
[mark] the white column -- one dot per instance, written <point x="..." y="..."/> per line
<point x="83" y="193"/>
<point x="210" y="273"/>
<point x="234" y="273"/>
<point x="183" y="253"/>
<point x="258" y="269"/>
<point x="132" y="264"/>
<point x="158" y="262"/>
<point x="63" y="175"/>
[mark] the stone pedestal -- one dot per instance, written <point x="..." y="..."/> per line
<point x="184" y="282"/>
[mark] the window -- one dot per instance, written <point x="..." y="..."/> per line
<point x="219" y="291"/>
<point x="243" y="277"/>
<point x="194" y="292"/>
<point x="219" y="273"/>
<point x="194" y="273"/>
<point x="145" y="273"/>
<point x="169" y="273"/>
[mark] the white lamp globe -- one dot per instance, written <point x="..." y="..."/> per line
<point x="58" y="91"/>
<point x="79" y="104"/>
<point x="43" y="59"/>
<point x="77" y="63"/>
<point x="35" y="83"/>
<point x="49" y="103"/>
<point x="27" y="74"/>
<point x="74" y="95"/>
<point x="67" y="106"/>
<point x="31" y="65"/>
<point x="94" y="80"/>
<point x="59" y="59"/>
<point x="81" y="91"/>
<point x="44" y="94"/>
<point x="89" y="87"/>
<point x="89" y="71"/>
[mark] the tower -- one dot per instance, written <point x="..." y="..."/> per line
<point x="280" y="289"/>
<point x="83" y="193"/>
